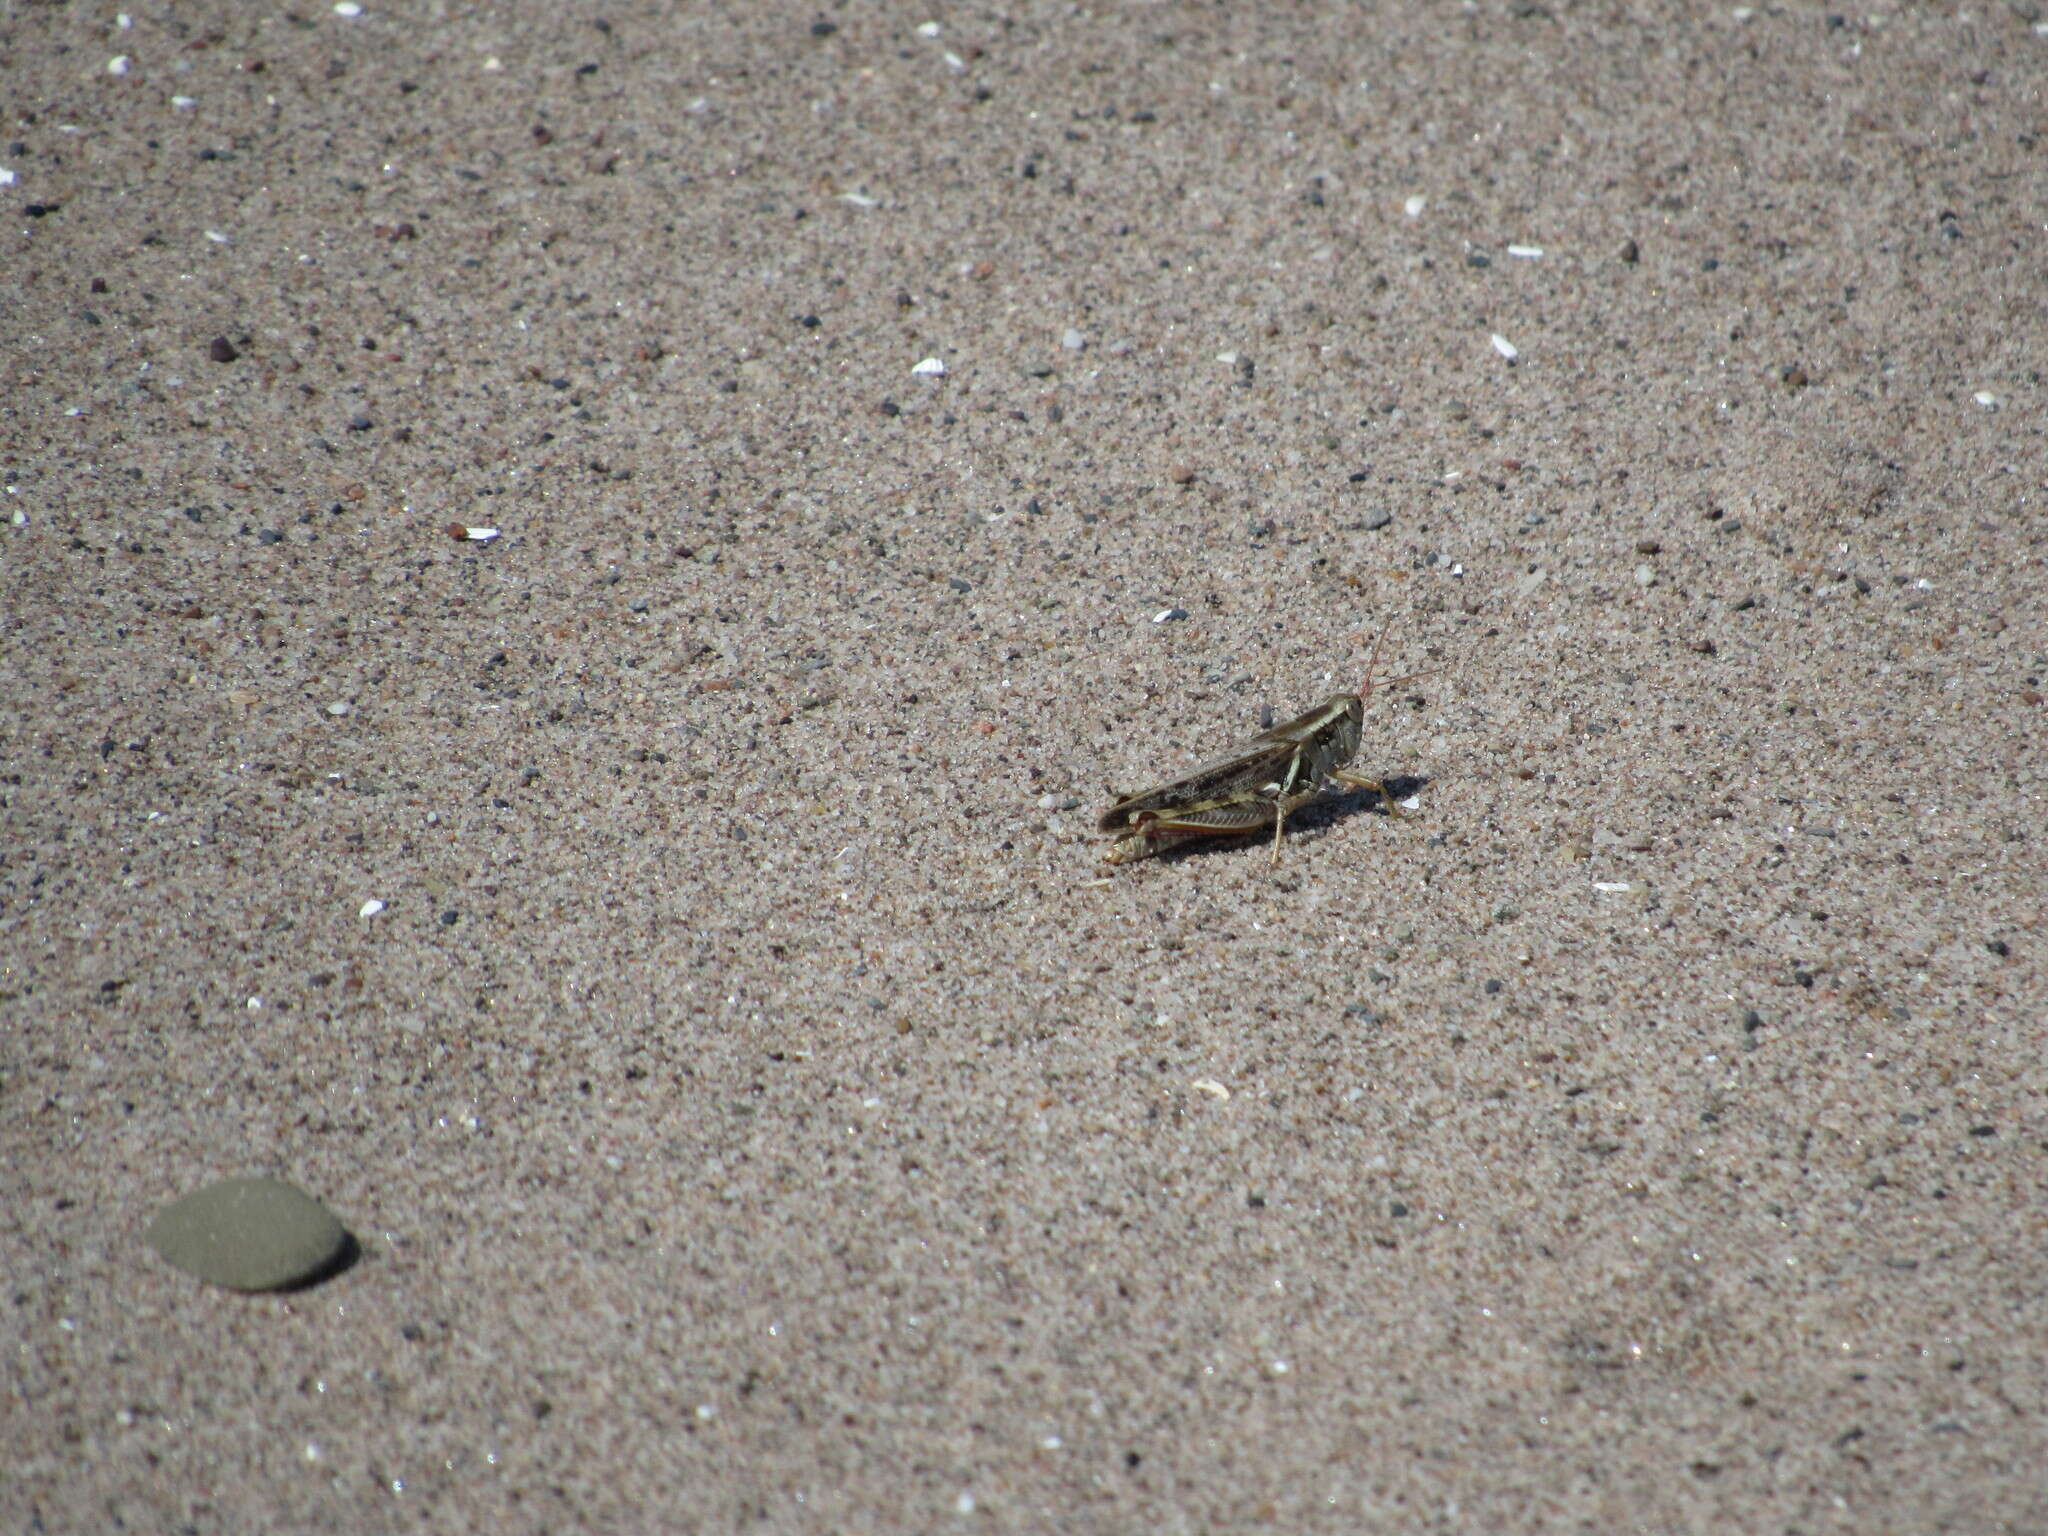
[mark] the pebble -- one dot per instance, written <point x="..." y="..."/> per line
<point x="250" y="1235"/>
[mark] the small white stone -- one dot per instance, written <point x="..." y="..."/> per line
<point x="928" y="29"/>
<point x="347" y="8"/>
<point x="1985" y="398"/>
<point x="370" y="908"/>
<point x="1504" y="347"/>
<point x="118" y="64"/>
<point x="1073" y="340"/>
<point x="338" y="708"/>
<point x="930" y="368"/>
<point x="1414" y="206"/>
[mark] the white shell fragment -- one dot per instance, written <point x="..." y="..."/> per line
<point x="1526" y="252"/>
<point x="1504" y="347"/>
<point x="1414" y="206"/>
<point x="1210" y="1086"/>
<point x="1610" y="885"/>
<point x="480" y="535"/>
<point x="930" y="368"/>
<point x="370" y="908"/>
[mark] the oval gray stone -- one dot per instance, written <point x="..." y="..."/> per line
<point x="250" y="1235"/>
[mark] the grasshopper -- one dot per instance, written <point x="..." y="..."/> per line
<point x="1256" y="785"/>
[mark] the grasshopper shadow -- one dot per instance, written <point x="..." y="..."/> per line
<point x="1327" y="810"/>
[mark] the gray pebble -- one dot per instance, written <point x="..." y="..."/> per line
<point x="250" y="1235"/>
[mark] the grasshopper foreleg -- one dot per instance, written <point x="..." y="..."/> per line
<point x="1360" y="781"/>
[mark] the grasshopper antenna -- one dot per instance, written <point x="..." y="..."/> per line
<point x="1373" y="664"/>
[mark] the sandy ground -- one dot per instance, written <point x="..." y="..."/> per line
<point x="756" y="1106"/>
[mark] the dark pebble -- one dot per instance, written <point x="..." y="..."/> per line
<point x="1998" y="947"/>
<point x="891" y="408"/>
<point x="1752" y="1021"/>
<point x="1630" y="253"/>
<point x="359" y="423"/>
<point x="270" y="536"/>
<point x="1492" y="987"/>
<point x="1375" y="521"/>
<point x="958" y="585"/>
<point x="450" y="918"/>
<point x="221" y="350"/>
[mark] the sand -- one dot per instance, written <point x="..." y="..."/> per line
<point x="755" y="1105"/>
